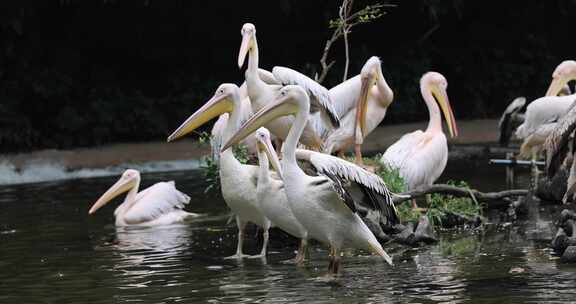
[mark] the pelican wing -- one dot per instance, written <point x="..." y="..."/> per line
<point x="319" y="96"/>
<point x="268" y="77"/>
<point x="506" y="124"/>
<point x="556" y="144"/>
<point x="345" y="174"/>
<point x="155" y="201"/>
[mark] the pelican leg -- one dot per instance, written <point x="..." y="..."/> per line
<point x="331" y="263"/>
<point x="535" y="171"/>
<point x="265" y="237"/>
<point x="336" y="266"/>
<point x="239" y="254"/>
<point x="302" y="249"/>
<point x="358" y="154"/>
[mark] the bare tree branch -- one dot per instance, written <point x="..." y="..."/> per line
<point x="459" y="192"/>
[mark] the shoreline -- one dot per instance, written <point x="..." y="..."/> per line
<point x="478" y="132"/>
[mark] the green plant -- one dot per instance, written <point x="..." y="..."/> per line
<point x="441" y="206"/>
<point x="210" y="166"/>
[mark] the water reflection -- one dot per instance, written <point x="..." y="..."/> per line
<point x="52" y="251"/>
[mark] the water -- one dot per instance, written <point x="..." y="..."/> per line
<point x="51" y="251"/>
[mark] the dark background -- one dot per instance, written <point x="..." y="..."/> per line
<point x="82" y="73"/>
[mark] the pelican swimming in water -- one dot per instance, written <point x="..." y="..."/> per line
<point x="326" y="204"/>
<point x="543" y="113"/>
<point x="261" y="90"/>
<point x="421" y="156"/>
<point x="159" y="204"/>
<point x="238" y="181"/>
<point x="361" y="103"/>
<point x="272" y="196"/>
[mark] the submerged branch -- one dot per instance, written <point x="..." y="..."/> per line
<point x="460" y="192"/>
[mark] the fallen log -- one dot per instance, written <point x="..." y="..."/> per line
<point x="459" y="192"/>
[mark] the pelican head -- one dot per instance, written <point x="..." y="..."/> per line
<point x="563" y="73"/>
<point x="248" y="42"/>
<point x="129" y="179"/>
<point x="369" y="74"/>
<point x="226" y="98"/>
<point x="264" y="145"/>
<point x="289" y="100"/>
<point x="437" y="84"/>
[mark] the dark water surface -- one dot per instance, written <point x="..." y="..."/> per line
<point x="51" y="251"/>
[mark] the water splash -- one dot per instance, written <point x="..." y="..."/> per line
<point x="38" y="171"/>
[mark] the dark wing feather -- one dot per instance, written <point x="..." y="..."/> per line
<point x="348" y="176"/>
<point x="556" y="144"/>
<point x="508" y="121"/>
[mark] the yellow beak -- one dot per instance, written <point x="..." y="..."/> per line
<point x="266" y="145"/>
<point x="218" y="105"/>
<point x="556" y="86"/>
<point x="271" y="111"/>
<point x="118" y="188"/>
<point x="442" y="98"/>
<point x="362" y="104"/>
<point x="244" y="47"/>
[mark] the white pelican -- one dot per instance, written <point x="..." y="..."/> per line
<point x="325" y="205"/>
<point x="421" y="156"/>
<point x="271" y="194"/>
<point x="159" y="204"/>
<point x="544" y="112"/>
<point x="361" y="106"/>
<point x="261" y="91"/>
<point x="238" y="181"/>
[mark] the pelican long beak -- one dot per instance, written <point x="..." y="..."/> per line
<point x="121" y="186"/>
<point x="217" y="105"/>
<point x="244" y="47"/>
<point x="442" y="98"/>
<point x="266" y="146"/>
<point x="362" y="104"/>
<point x="271" y="111"/>
<point x="556" y="86"/>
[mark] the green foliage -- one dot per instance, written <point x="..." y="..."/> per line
<point x="442" y="205"/>
<point x="210" y="166"/>
<point x="365" y="15"/>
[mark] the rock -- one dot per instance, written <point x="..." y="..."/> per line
<point x="372" y="221"/>
<point x="406" y="236"/>
<point x="569" y="255"/>
<point x="425" y="231"/>
<point x="553" y="189"/>
<point x="567" y="215"/>
<point x="560" y="241"/>
<point x="568" y="227"/>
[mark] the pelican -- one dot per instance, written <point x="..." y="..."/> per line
<point x="159" y="204"/>
<point x="359" y="115"/>
<point x="510" y="120"/>
<point x="238" y="181"/>
<point x="560" y="148"/>
<point x="271" y="194"/>
<point x="261" y="90"/>
<point x="325" y="205"/>
<point x="543" y="113"/>
<point x="421" y="156"/>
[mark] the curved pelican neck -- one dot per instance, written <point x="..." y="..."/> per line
<point x="291" y="142"/>
<point x="435" y="122"/>
<point x="232" y="126"/>
<point x="253" y="57"/>
<point x="130" y="199"/>
<point x="386" y="93"/>
<point x="264" y="167"/>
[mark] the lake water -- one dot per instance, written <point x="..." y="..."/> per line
<point x="51" y="251"/>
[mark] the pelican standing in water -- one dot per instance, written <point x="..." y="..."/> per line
<point x="361" y="103"/>
<point x="421" y="156"/>
<point x="159" y="204"/>
<point x="238" y="181"/>
<point x="261" y="91"/>
<point x="543" y="113"/>
<point x="272" y="196"/>
<point x="323" y="204"/>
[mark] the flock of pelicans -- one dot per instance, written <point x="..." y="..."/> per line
<point x="310" y="193"/>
